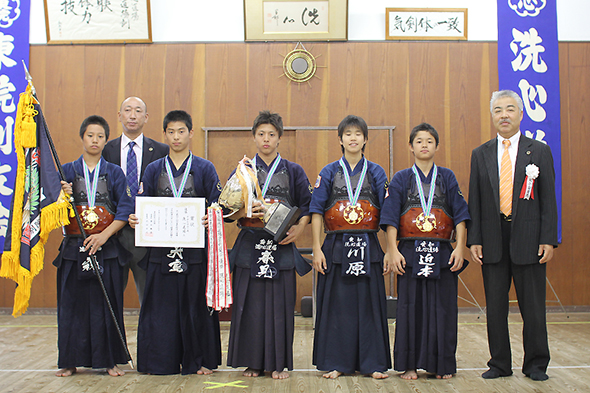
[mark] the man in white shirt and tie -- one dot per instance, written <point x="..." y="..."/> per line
<point x="133" y="151"/>
<point x="512" y="233"/>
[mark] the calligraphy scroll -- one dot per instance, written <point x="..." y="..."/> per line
<point x="426" y="23"/>
<point x="98" y="21"/>
<point x="528" y="63"/>
<point x="296" y="20"/>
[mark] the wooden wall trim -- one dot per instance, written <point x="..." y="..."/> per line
<point x="447" y="84"/>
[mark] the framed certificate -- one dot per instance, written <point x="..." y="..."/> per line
<point x="170" y="222"/>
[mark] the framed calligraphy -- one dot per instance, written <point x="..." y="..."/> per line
<point x="426" y="24"/>
<point x="296" y="20"/>
<point x="98" y="21"/>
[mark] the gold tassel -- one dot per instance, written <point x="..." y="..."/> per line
<point x="52" y="216"/>
<point x="25" y="121"/>
<point x="22" y="296"/>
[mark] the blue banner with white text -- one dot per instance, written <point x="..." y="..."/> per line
<point x="528" y="63"/>
<point x="14" y="49"/>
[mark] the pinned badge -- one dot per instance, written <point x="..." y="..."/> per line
<point x="318" y="181"/>
<point x="528" y="152"/>
<point x="151" y="149"/>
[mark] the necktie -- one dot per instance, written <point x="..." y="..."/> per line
<point x="132" y="180"/>
<point x="506" y="181"/>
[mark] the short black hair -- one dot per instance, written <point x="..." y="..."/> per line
<point x="423" y="127"/>
<point x="266" y="117"/>
<point x="178" y="115"/>
<point x="94" y="119"/>
<point x="353" y="121"/>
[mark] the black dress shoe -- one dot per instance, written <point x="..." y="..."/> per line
<point x="538" y="376"/>
<point x="493" y="374"/>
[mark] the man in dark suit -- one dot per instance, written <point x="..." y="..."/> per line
<point x="512" y="234"/>
<point x="133" y="151"/>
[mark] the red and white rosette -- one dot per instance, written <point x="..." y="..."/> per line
<point x="219" y="291"/>
<point x="532" y="172"/>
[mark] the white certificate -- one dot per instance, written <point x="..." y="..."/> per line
<point x="169" y="222"/>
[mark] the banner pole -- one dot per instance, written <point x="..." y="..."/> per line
<point x="93" y="259"/>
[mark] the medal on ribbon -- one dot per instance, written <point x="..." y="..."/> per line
<point x="176" y="262"/>
<point x="178" y="192"/>
<point x="426" y="221"/>
<point x="270" y="174"/>
<point x="89" y="216"/>
<point x="354" y="213"/>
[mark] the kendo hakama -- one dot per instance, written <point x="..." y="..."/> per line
<point x="87" y="335"/>
<point x="426" y="321"/>
<point x="351" y="332"/>
<point x="176" y="328"/>
<point x="262" y="325"/>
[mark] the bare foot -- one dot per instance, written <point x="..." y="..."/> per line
<point x="332" y="374"/>
<point x="280" y="374"/>
<point x="446" y="376"/>
<point x="115" y="371"/>
<point x="379" y="375"/>
<point x="204" y="371"/>
<point x="251" y="372"/>
<point x="66" y="372"/>
<point x="410" y="374"/>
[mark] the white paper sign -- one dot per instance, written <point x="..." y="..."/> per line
<point x="170" y="222"/>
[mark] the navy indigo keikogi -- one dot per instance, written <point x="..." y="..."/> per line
<point x="87" y="335"/>
<point x="175" y="325"/>
<point x="426" y="321"/>
<point x="351" y="332"/>
<point x="262" y="325"/>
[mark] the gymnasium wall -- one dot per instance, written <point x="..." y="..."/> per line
<point x="387" y="83"/>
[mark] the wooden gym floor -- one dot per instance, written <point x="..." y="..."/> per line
<point x="28" y="356"/>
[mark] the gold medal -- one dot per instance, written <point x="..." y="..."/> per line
<point x="426" y="224"/>
<point x="354" y="214"/>
<point x="89" y="218"/>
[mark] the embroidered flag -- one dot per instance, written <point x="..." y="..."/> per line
<point x="38" y="204"/>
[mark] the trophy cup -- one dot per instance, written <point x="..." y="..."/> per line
<point x="242" y="189"/>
